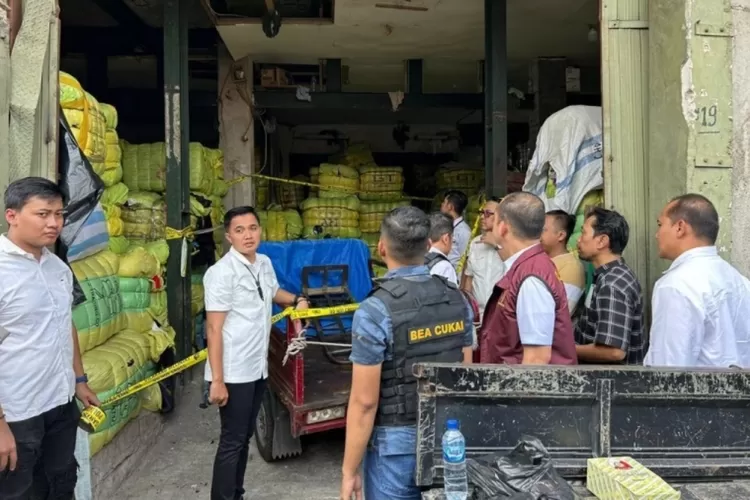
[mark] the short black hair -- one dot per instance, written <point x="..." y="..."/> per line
<point x="440" y="224"/>
<point x="698" y="212"/>
<point x="406" y="231"/>
<point x="457" y="199"/>
<point x="496" y="199"/>
<point x="237" y="212"/>
<point x="564" y="221"/>
<point x="19" y="192"/>
<point x="612" y="224"/>
<point x="525" y="214"/>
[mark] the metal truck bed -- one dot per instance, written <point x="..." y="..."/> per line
<point x="685" y="426"/>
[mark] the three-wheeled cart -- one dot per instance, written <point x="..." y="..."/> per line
<point x="309" y="393"/>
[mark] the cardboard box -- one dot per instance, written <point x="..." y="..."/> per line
<point x="622" y="478"/>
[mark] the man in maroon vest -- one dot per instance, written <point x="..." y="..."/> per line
<point x="526" y="320"/>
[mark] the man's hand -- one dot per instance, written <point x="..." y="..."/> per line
<point x="218" y="394"/>
<point x="488" y="239"/>
<point x="302" y="305"/>
<point x="351" y="485"/>
<point x="8" y="455"/>
<point x="86" y="396"/>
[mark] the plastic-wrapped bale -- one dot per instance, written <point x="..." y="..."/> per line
<point x="294" y="225"/>
<point x="217" y="220"/>
<point x="136" y="298"/>
<point x="379" y="271"/>
<point x="291" y="195"/>
<point x="88" y="125"/>
<point x="356" y="155"/>
<point x="337" y="181"/>
<point x="145" y="168"/>
<point x="122" y="361"/>
<point x="115" y="196"/>
<point x="314" y="179"/>
<point x="113" y="216"/>
<point x="371" y="214"/>
<point x="473" y="207"/>
<point x="215" y="158"/>
<point x="98" y="318"/>
<point x="279" y="224"/>
<point x="144" y="216"/>
<point x="336" y="217"/>
<point x="459" y="176"/>
<point x="112" y="173"/>
<point x="371" y="240"/>
<point x="381" y="183"/>
<point x="592" y="199"/>
<point x="158" y="306"/>
<point x="138" y="262"/>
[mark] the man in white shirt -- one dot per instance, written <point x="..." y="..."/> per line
<point x="484" y="267"/>
<point x="40" y="363"/>
<point x="701" y="303"/>
<point x="239" y="291"/>
<point x="453" y="205"/>
<point x="441" y="241"/>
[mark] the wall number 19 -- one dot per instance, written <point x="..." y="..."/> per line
<point x="707" y="115"/>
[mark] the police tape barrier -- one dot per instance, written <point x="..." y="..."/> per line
<point x="474" y="234"/>
<point x="93" y="417"/>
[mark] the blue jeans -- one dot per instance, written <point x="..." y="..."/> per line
<point x="390" y="464"/>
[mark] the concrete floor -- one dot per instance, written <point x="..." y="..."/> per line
<point x="180" y="464"/>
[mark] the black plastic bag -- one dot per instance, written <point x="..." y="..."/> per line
<point x="526" y="473"/>
<point x="82" y="189"/>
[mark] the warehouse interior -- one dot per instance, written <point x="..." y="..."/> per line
<point x="348" y="89"/>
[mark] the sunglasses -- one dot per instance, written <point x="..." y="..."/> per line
<point x="486" y="213"/>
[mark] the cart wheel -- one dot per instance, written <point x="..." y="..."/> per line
<point x="273" y="434"/>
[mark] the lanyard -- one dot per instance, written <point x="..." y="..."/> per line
<point x="257" y="282"/>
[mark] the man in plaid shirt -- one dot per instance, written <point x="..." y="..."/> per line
<point x="610" y="327"/>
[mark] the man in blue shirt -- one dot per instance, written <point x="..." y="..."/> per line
<point x="409" y="317"/>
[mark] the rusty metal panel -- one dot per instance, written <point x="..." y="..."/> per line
<point x="683" y="425"/>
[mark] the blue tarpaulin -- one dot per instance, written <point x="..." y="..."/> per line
<point x="290" y="257"/>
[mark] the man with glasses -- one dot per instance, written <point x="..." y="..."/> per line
<point x="484" y="267"/>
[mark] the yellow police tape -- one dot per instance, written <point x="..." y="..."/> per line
<point x="474" y="233"/>
<point x="93" y="417"/>
<point x="342" y="189"/>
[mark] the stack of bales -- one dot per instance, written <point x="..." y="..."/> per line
<point x="119" y="343"/>
<point x="468" y="179"/>
<point x="262" y="187"/>
<point x="219" y="189"/>
<point x="335" y="211"/>
<point x="279" y="224"/>
<point x="370" y="216"/>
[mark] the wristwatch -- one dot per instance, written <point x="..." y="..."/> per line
<point x="300" y="298"/>
<point x="83" y="379"/>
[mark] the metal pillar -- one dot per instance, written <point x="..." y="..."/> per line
<point x="176" y="132"/>
<point x="496" y="97"/>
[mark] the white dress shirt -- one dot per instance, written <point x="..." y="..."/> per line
<point x="700" y="314"/>
<point x="486" y="268"/>
<point x="231" y="286"/>
<point x="535" y="308"/>
<point x="443" y="268"/>
<point x="461" y="237"/>
<point x="36" y="357"/>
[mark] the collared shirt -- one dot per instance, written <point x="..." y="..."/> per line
<point x="443" y="268"/>
<point x="614" y="312"/>
<point x="36" y="300"/>
<point x="461" y="237"/>
<point x="231" y="286"/>
<point x="700" y="314"/>
<point x="573" y="276"/>
<point x="486" y="268"/>
<point x="372" y="330"/>
<point x="535" y="308"/>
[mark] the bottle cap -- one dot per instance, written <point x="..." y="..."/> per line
<point x="452" y="424"/>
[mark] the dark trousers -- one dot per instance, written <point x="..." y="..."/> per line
<point x="46" y="467"/>
<point x="237" y="426"/>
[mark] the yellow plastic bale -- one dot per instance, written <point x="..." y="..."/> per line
<point x="294" y="224"/>
<point x="291" y="195"/>
<point x="83" y="114"/>
<point x="357" y="155"/>
<point x="145" y="216"/>
<point x="380" y="180"/>
<point x="113" y="156"/>
<point x="111" y="174"/>
<point x="311" y="232"/>
<point x="468" y="180"/>
<point x="314" y="179"/>
<point x="118" y="244"/>
<point x="348" y="202"/>
<point x="116" y="194"/>
<point x="371" y="240"/>
<point x="346" y="186"/>
<point x="117" y="364"/>
<point x="158" y="307"/>
<point x="71" y="92"/>
<point x="275" y="225"/>
<point x="261" y="193"/>
<point x="138" y="262"/>
<point x="110" y="115"/>
<point x="144" y="167"/>
<point x="112" y="214"/>
<point x="381" y="207"/>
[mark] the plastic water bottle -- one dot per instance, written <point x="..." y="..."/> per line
<point x="454" y="463"/>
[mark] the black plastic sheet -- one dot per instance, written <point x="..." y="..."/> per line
<point x="82" y="189"/>
<point x="526" y="473"/>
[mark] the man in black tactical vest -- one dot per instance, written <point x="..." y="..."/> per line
<point x="409" y="317"/>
